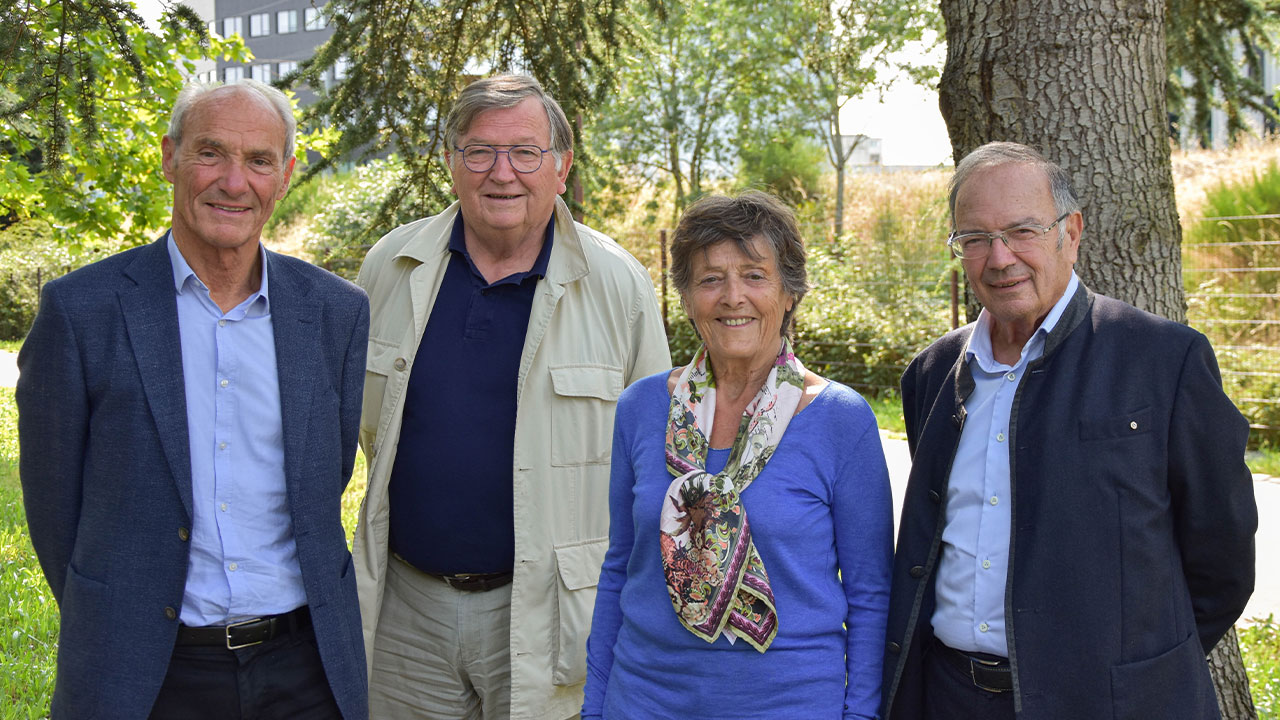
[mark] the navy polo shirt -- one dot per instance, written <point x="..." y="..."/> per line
<point x="451" y="490"/>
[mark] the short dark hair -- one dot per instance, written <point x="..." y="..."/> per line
<point x="718" y="218"/>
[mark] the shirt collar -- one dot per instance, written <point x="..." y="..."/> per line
<point x="458" y="244"/>
<point x="182" y="274"/>
<point x="980" y="340"/>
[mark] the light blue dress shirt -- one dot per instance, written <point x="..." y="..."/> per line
<point x="243" y="561"/>
<point x="974" y="566"/>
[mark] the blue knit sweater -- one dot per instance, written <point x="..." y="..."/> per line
<point x="821" y="518"/>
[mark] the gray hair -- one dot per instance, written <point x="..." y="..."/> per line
<point x="501" y="92"/>
<point x="716" y="218"/>
<point x="996" y="154"/>
<point x="194" y="92"/>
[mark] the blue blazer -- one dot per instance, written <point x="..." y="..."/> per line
<point x="106" y="471"/>
<point x="1132" y="518"/>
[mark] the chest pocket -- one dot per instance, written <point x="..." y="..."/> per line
<point x="582" y="413"/>
<point x="381" y="363"/>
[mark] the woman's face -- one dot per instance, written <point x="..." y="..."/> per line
<point x="737" y="303"/>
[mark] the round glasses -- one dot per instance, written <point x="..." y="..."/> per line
<point x="1019" y="239"/>
<point x="482" y="158"/>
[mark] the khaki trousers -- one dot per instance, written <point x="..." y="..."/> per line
<point x="440" y="653"/>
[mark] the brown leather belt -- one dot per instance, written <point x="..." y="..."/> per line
<point x="475" y="582"/>
<point x="246" y="633"/>
<point x="469" y="582"/>
<point x="992" y="675"/>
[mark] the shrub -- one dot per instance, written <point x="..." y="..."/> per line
<point x="29" y="257"/>
<point x="337" y="218"/>
<point x="790" y="167"/>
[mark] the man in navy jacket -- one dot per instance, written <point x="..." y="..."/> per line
<point x="1077" y="532"/>
<point x="188" y="414"/>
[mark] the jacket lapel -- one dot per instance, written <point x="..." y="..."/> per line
<point x="150" y="310"/>
<point x="295" y="323"/>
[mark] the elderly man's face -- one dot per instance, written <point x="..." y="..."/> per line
<point x="501" y="204"/>
<point x="229" y="170"/>
<point x="1017" y="290"/>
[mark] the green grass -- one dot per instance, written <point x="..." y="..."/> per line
<point x="29" y="624"/>
<point x="1264" y="460"/>
<point x="888" y="410"/>
<point x="11" y="345"/>
<point x="1260" y="645"/>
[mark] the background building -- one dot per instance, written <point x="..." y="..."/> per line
<point x="280" y="35"/>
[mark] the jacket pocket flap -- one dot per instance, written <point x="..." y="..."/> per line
<point x="580" y="564"/>
<point x="381" y="356"/>
<point x="597" y="381"/>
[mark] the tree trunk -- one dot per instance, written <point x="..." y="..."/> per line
<point x="1229" y="679"/>
<point x="840" y="199"/>
<point x="1083" y="81"/>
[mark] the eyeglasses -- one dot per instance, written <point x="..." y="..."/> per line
<point x="1019" y="239"/>
<point x="482" y="158"/>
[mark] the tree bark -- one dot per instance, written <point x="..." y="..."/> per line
<point x="1083" y="81"/>
<point x="1230" y="681"/>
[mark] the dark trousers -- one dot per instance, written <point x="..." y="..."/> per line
<point x="951" y="695"/>
<point x="278" y="679"/>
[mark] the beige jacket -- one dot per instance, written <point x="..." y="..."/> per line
<point x="594" y="327"/>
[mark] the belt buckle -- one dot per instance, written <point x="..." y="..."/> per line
<point x="242" y="623"/>
<point x="973" y="661"/>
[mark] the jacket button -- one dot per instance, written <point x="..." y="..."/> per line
<point x="171" y="613"/>
<point x="184" y="534"/>
<point x="917" y="571"/>
<point x="935" y="497"/>
<point x="400" y="363"/>
<point x="894" y="648"/>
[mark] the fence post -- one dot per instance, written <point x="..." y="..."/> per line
<point x="662" y="251"/>
<point x="955" y="299"/>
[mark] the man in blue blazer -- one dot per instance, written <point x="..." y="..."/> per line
<point x="1077" y="531"/>
<point x="188" y="414"/>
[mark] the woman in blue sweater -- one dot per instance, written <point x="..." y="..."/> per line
<point x="751" y="520"/>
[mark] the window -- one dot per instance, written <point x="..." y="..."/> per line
<point x="261" y="73"/>
<point x="259" y="24"/>
<point x="313" y="19"/>
<point x="232" y="74"/>
<point x="232" y="26"/>
<point x="287" y="21"/>
<point x="286" y="67"/>
<point x="340" y="68"/>
<point x="213" y="27"/>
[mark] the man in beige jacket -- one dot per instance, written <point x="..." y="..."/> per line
<point x="486" y="519"/>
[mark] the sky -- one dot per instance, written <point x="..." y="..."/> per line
<point x="905" y="118"/>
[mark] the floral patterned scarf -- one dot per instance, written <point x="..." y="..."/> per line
<point x="715" y="577"/>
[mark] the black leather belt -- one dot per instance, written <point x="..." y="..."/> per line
<point x="246" y="633"/>
<point x="992" y="675"/>
<point x="470" y="582"/>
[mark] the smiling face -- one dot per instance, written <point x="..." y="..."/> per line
<point x="228" y="172"/>
<point x="737" y="303"/>
<point x="1017" y="290"/>
<point x="502" y="206"/>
